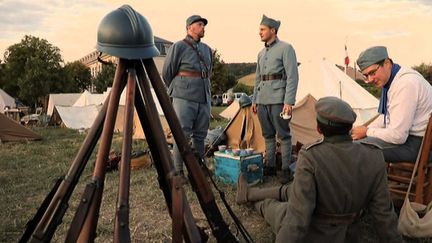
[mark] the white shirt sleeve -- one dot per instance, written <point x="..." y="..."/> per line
<point x="401" y="108"/>
<point x="378" y="122"/>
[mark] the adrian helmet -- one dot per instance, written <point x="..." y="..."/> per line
<point x="125" y="33"/>
<point x="244" y="101"/>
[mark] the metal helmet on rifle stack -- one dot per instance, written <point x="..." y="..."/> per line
<point x="125" y="33"/>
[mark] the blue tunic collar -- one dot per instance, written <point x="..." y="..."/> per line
<point x="272" y="44"/>
<point x="188" y="37"/>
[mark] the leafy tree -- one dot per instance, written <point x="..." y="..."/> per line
<point x="425" y="70"/>
<point x="241" y="69"/>
<point x="77" y="77"/>
<point x="105" y="78"/>
<point x="2" y="68"/>
<point x="32" y="69"/>
<point x="221" y="79"/>
<point x="370" y="88"/>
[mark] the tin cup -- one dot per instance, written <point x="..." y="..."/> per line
<point x="222" y="148"/>
<point x="285" y="116"/>
<point x="236" y="152"/>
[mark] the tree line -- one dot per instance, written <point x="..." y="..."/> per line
<point x="34" y="68"/>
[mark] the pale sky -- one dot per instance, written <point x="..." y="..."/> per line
<point x="316" y="29"/>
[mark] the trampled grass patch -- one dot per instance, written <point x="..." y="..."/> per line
<point x="28" y="171"/>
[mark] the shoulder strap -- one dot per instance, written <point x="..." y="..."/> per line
<point x="198" y="54"/>
<point x="319" y="141"/>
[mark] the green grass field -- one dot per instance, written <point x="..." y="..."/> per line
<point x="28" y="171"/>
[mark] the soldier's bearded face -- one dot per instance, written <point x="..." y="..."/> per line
<point x="197" y="29"/>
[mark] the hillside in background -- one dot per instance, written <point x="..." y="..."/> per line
<point x="240" y="69"/>
<point x="248" y="80"/>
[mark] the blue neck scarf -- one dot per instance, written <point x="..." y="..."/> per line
<point x="382" y="108"/>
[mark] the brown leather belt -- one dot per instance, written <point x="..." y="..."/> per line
<point x="268" y="77"/>
<point x="338" y="218"/>
<point x="193" y="74"/>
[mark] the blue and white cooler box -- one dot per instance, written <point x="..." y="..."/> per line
<point x="228" y="167"/>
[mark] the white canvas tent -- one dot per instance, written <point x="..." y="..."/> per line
<point x="138" y="132"/>
<point x="158" y="106"/>
<point x="6" y="100"/>
<point x="322" y="78"/>
<point x="82" y="117"/>
<point x="245" y="127"/>
<point x="75" y="117"/>
<point x="86" y="98"/>
<point x="85" y="108"/>
<point x="123" y="99"/>
<point x="62" y="99"/>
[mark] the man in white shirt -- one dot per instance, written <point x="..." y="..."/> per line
<point x="405" y="106"/>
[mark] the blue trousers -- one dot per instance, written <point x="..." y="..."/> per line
<point x="406" y="152"/>
<point x="194" y="119"/>
<point x="271" y="125"/>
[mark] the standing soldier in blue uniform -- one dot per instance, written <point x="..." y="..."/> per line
<point x="186" y="72"/>
<point x="274" y="94"/>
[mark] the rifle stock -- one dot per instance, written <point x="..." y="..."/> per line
<point x="32" y="223"/>
<point x="152" y="127"/>
<point x="42" y="226"/>
<point x="88" y="230"/>
<point x="198" y="181"/>
<point x="54" y="206"/>
<point x="121" y="225"/>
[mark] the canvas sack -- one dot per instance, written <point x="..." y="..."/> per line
<point x="415" y="219"/>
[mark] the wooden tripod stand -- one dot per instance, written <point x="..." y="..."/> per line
<point x="133" y="74"/>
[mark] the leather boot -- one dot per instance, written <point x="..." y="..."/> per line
<point x="269" y="171"/>
<point x="270" y="145"/>
<point x="242" y="189"/>
<point x="286" y="148"/>
<point x="250" y="194"/>
<point x="285" y="176"/>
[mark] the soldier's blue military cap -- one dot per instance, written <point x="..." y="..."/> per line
<point x="270" y="22"/>
<point x="371" y="56"/>
<point x="195" y="18"/>
<point x="333" y="111"/>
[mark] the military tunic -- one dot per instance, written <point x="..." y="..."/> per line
<point x="191" y="95"/>
<point x="181" y="57"/>
<point x="276" y="59"/>
<point x="333" y="177"/>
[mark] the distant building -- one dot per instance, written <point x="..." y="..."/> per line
<point x="91" y="59"/>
